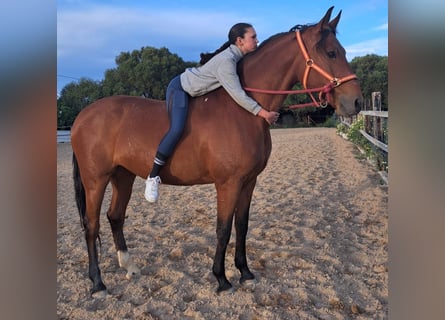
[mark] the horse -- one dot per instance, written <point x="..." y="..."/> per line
<point x="115" y="139"/>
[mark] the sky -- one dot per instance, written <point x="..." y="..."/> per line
<point x="92" y="33"/>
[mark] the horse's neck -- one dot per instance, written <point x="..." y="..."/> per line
<point x="272" y="68"/>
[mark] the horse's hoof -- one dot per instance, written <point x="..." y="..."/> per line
<point x="249" y="283"/>
<point x="133" y="272"/>
<point x="225" y="292"/>
<point x="100" y="294"/>
<point x="126" y="262"/>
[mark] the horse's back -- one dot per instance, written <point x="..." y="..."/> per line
<point x="114" y="108"/>
<point x="105" y="117"/>
<point x="219" y="137"/>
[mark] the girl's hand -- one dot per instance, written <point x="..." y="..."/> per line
<point x="270" y="116"/>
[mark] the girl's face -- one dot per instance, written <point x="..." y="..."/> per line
<point x="249" y="42"/>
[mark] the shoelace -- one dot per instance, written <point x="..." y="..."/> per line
<point x="157" y="180"/>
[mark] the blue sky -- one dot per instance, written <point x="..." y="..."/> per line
<point x="91" y="34"/>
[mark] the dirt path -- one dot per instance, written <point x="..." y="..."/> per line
<point x="317" y="243"/>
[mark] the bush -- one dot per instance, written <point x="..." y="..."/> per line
<point x="372" y="153"/>
<point x="330" y="122"/>
<point x="354" y="135"/>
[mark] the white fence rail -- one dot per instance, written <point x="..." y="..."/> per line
<point x="375" y="123"/>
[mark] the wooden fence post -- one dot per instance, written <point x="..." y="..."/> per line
<point x="377" y="128"/>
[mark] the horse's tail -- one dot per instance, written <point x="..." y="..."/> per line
<point x="79" y="192"/>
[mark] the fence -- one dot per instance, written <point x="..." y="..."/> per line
<point x="375" y="123"/>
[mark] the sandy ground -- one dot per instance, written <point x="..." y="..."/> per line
<point x="317" y="243"/>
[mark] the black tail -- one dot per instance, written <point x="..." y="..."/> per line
<point x="80" y="192"/>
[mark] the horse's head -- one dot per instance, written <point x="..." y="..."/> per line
<point x="326" y="66"/>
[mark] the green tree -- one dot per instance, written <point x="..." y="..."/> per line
<point x="372" y="72"/>
<point x="74" y="97"/>
<point x="306" y="116"/>
<point x="144" y="72"/>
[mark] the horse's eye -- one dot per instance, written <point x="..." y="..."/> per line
<point x="331" y="54"/>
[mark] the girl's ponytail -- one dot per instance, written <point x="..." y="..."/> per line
<point x="237" y="30"/>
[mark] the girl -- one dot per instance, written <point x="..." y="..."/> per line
<point x="216" y="69"/>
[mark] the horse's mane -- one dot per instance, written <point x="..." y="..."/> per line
<point x="264" y="43"/>
<point x="301" y="27"/>
<point x="304" y="27"/>
<point x="270" y="39"/>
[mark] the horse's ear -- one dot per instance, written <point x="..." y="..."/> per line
<point x="325" y="20"/>
<point x="334" y="22"/>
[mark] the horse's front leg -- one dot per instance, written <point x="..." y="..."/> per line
<point x="241" y="226"/>
<point x="226" y="199"/>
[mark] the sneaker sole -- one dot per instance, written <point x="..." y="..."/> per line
<point x="151" y="200"/>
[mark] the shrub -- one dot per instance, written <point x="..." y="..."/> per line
<point x="372" y="153"/>
<point x="330" y="122"/>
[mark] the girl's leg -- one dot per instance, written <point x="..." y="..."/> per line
<point x="177" y="104"/>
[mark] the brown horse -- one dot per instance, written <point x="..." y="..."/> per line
<point x="115" y="139"/>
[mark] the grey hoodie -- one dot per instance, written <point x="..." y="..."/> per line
<point x="219" y="71"/>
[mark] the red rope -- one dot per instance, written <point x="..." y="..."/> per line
<point x="287" y="91"/>
<point x="325" y="89"/>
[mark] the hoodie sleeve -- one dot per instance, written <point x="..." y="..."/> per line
<point x="227" y="75"/>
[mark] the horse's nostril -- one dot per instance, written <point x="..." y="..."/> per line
<point x="358" y="105"/>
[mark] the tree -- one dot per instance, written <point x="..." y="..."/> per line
<point x="74" y="97"/>
<point x="307" y="115"/>
<point x="144" y="72"/>
<point x="372" y="72"/>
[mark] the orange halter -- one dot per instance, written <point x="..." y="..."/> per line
<point x="333" y="81"/>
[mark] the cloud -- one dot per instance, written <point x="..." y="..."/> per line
<point x="90" y="37"/>
<point x="103" y="28"/>
<point x="381" y="27"/>
<point x="377" y="46"/>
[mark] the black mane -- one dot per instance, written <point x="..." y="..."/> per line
<point x="298" y="27"/>
<point x="301" y="27"/>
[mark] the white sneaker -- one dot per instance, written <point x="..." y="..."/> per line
<point x="152" y="189"/>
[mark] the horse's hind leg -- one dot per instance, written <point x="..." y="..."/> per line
<point x="241" y="226"/>
<point x="122" y="183"/>
<point x="94" y="194"/>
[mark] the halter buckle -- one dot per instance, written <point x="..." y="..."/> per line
<point x="335" y="82"/>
